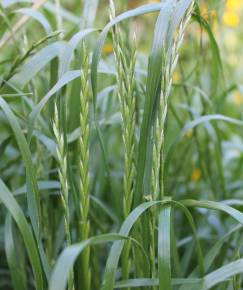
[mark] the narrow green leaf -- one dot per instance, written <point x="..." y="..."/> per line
<point x="12" y="206"/>
<point x="149" y="8"/>
<point x="33" y="197"/>
<point x="37" y="63"/>
<point x="68" y="257"/>
<point x="219" y="206"/>
<point x="32" y="192"/>
<point x="70" y="47"/>
<point x="146" y="282"/>
<point x="37" y="16"/>
<point x="115" y="252"/>
<point x="221" y="275"/>
<point x="207" y="118"/>
<point x="63" y="81"/>
<point x="17" y="272"/>
<point x="164" y="249"/>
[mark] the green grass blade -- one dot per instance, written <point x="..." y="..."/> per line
<point x="115" y="252"/>
<point x="17" y="271"/>
<point x="221" y="275"/>
<point x="152" y="95"/>
<point x="149" y="8"/>
<point x="63" y="81"/>
<point x="70" y="48"/>
<point x="146" y="282"/>
<point x="37" y="16"/>
<point x="12" y="206"/>
<point x="219" y="206"/>
<point x="217" y="65"/>
<point x="207" y="118"/>
<point x="166" y="26"/>
<point x="89" y="13"/>
<point x="33" y="197"/>
<point x="68" y="257"/>
<point x="36" y="63"/>
<point x="164" y="249"/>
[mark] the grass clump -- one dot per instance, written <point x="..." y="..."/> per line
<point x="120" y="147"/>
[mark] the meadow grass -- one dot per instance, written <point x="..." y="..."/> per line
<point x="120" y="145"/>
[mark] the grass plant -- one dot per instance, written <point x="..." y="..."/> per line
<point x="121" y="145"/>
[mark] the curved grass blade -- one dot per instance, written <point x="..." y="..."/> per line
<point x="70" y="47"/>
<point x="105" y="208"/>
<point x="42" y="185"/>
<point x="12" y="206"/>
<point x="191" y="125"/>
<point x="149" y="8"/>
<point x="89" y="13"/>
<point x="221" y="275"/>
<point x="207" y="118"/>
<point x="219" y="206"/>
<point x="214" y="252"/>
<point x="169" y="18"/>
<point x="7" y="3"/>
<point x="33" y="197"/>
<point x="207" y="282"/>
<point x="63" y="81"/>
<point x="37" y="16"/>
<point x="146" y="282"/>
<point x="37" y="63"/>
<point x="95" y="61"/>
<point x="68" y="257"/>
<point x="153" y="85"/>
<point x="217" y="65"/>
<point x="115" y="252"/>
<point x="17" y="272"/>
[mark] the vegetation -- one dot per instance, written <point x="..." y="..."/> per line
<point x="121" y="144"/>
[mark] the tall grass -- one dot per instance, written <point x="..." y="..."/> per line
<point x="120" y="147"/>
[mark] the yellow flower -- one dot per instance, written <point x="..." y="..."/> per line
<point x="238" y="98"/>
<point x="108" y="48"/>
<point x="233" y="4"/>
<point x="213" y="13"/>
<point x="196" y="174"/>
<point x="176" y="77"/>
<point x="189" y="133"/>
<point x="231" y="18"/>
<point x="204" y="11"/>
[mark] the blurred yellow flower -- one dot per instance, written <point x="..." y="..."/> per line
<point x="189" y="133"/>
<point x="213" y="13"/>
<point x="206" y="12"/>
<point x="176" y="77"/>
<point x="238" y="98"/>
<point x="196" y="174"/>
<point x="234" y="4"/>
<point x="108" y="48"/>
<point x="231" y="18"/>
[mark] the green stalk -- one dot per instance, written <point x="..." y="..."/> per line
<point x="62" y="172"/>
<point x="125" y="89"/>
<point x="83" y="170"/>
<point x="170" y="62"/>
